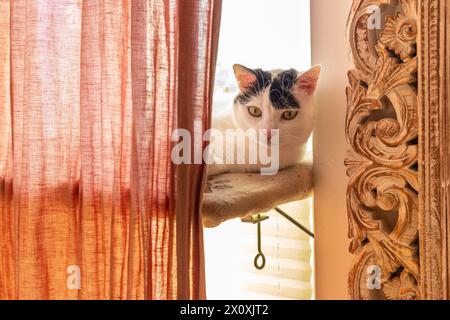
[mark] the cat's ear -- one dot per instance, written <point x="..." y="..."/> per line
<point x="245" y="77"/>
<point x="307" y="81"/>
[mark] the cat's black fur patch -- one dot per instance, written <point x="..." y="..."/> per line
<point x="263" y="80"/>
<point x="280" y="89"/>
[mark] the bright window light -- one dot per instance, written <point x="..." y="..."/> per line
<point x="266" y="34"/>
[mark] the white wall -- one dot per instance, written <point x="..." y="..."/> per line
<point x="328" y="25"/>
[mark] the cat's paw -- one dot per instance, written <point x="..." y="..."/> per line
<point x="213" y="185"/>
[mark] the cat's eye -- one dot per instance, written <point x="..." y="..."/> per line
<point x="290" y="115"/>
<point x="255" y="112"/>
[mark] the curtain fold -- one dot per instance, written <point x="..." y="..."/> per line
<point x="91" y="206"/>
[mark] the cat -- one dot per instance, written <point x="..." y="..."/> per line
<point x="267" y="100"/>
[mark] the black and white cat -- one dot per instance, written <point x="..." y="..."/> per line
<point x="267" y="100"/>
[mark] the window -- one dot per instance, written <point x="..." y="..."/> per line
<point x="265" y="34"/>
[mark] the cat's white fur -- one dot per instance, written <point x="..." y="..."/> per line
<point x="293" y="134"/>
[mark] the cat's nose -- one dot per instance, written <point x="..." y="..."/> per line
<point x="268" y="133"/>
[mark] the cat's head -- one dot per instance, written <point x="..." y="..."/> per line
<point x="276" y="100"/>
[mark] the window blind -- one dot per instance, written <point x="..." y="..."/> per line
<point x="231" y="248"/>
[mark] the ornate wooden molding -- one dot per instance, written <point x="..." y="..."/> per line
<point x="398" y="128"/>
<point x="382" y="129"/>
<point x="434" y="147"/>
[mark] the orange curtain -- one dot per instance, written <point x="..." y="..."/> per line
<point x="91" y="206"/>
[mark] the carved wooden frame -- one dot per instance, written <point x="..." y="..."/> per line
<point x="397" y="126"/>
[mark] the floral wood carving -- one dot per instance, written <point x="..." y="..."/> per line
<point x="382" y="130"/>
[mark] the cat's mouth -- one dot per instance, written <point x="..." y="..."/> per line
<point x="269" y="142"/>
